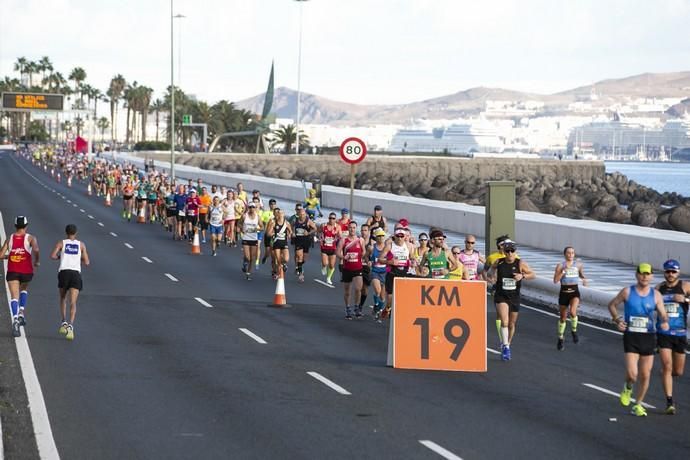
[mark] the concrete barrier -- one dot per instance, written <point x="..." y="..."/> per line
<point x="627" y="244"/>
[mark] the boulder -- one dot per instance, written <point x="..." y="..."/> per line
<point x="679" y="218"/>
<point x="554" y="203"/>
<point x="619" y="215"/>
<point x="523" y="203"/>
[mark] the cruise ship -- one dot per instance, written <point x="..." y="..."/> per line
<point x="457" y="139"/>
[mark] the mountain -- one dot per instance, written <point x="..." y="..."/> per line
<point x="320" y="110"/>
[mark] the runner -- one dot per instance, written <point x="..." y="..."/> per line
<point x="229" y="218"/>
<point x="568" y="273"/>
<point x="377" y="220"/>
<point x="672" y="342"/>
<point x="438" y="262"/>
<point x="151" y="200"/>
<point x="240" y="206"/>
<point x="490" y="260"/>
<point x="351" y="251"/>
<point x="266" y="215"/>
<point x="20" y="250"/>
<point x="142" y="193"/>
<point x="205" y="199"/>
<point x="170" y="212"/>
<point x="215" y="215"/>
<point x="72" y="253"/>
<point x="640" y="301"/>
<point x="329" y="233"/>
<point x="471" y="258"/>
<point x="279" y="232"/>
<point x="180" y="203"/>
<point x="241" y="193"/>
<point x="423" y="247"/>
<point x="304" y="230"/>
<point x="192" y="211"/>
<point x="127" y="200"/>
<point x="250" y="225"/>
<point x="508" y="273"/>
<point x="366" y="266"/>
<point x="313" y="205"/>
<point x="260" y="234"/>
<point x="378" y="270"/>
<point x="396" y="255"/>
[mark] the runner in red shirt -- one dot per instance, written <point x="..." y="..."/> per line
<point x="329" y="233"/>
<point x="351" y="252"/>
<point x="21" y="249"/>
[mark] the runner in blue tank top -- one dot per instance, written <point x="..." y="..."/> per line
<point x="672" y="342"/>
<point x="641" y="303"/>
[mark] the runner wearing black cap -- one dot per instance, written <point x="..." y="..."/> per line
<point x="377" y="220"/>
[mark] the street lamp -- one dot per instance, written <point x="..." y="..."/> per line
<point x="299" y="77"/>
<point x="179" y="49"/>
<point x="171" y="128"/>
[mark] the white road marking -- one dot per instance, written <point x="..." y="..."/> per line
<point x="100" y="224"/>
<point x="82" y="210"/>
<point x="580" y="323"/>
<point x="328" y="383"/>
<point x="613" y="393"/>
<point x="172" y="278"/>
<point x="203" y="302"/>
<point x="445" y="453"/>
<point x="491" y="350"/>
<point x="146" y="259"/>
<point x="324" y="283"/>
<point x="129" y="246"/>
<point x="253" y="336"/>
<point x="69" y="201"/>
<point x="90" y="216"/>
<point x="113" y="234"/>
<point x="74" y="204"/>
<point x="37" y="406"/>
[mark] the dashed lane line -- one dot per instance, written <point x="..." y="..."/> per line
<point x="112" y="234"/>
<point x="100" y="224"/>
<point x="146" y="259"/>
<point x="172" y="278"/>
<point x="443" y="452"/>
<point x="324" y="283"/>
<point x="613" y="393"/>
<point x="90" y="216"/>
<point x="253" y="336"/>
<point x="129" y="246"/>
<point x="203" y="302"/>
<point x="332" y="385"/>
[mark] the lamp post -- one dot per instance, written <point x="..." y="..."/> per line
<point x="179" y="49"/>
<point x="172" y="100"/>
<point x="299" y="77"/>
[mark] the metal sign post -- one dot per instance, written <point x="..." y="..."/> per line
<point x="352" y="151"/>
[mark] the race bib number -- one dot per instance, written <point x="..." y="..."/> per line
<point x="437" y="273"/>
<point x="572" y="272"/>
<point x="301" y="232"/>
<point x="250" y="229"/>
<point x="191" y="213"/>
<point x="638" y="324"/>
<point x="509" y="284"/>
<point x="180" y="213"/>
<point x="471" y="273"/>
<point x="672" y="309"/>
<point x="329" y="240"/>
<point x="351" y="256"/>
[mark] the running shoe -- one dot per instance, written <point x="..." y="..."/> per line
<point x="329" y="281"/>
<point x="358" y="312"/>
<point x="203" y="240"/>
<point x="670" y="409"/>
<point x="214" y="253"/>
<point x="300" y="278"/>
<point x="323" y="271"/>
<point x="626" y="396"/>
<point x="15" y="328"/>
<point x="505" y="353"/>
<point x="385" y="313"/>
<point x="285" y="267"/>
<point x="62" y="330"/>
<point x="559" y="345"/>
<point x="576" y="338"/>
<point x="70" y="332"/>
<point x="249" y="276"/>
<point x="348" y="312"/>
<point x="22" y="320"/>
<point x="638" y="411"/>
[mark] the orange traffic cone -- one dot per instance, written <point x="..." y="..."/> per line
<point x="141" y="218"/>
<point x="88" y="189"/>
<point x="196" y="247"/>
<point x="69" y="181"/>
<point x="279" y="299"/>
<point x="107" y="199"/>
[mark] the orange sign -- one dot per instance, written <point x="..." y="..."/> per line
<point x="438" y="325"/>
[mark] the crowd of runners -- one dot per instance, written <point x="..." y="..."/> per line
<point x="369" y="255"/>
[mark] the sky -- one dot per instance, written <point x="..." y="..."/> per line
<point x="360" y="51"/>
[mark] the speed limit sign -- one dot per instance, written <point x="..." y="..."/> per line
<point x="353" y="150"/>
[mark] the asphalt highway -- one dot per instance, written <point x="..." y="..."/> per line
<point x="201" y="367"/>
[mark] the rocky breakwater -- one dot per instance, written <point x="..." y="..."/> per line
<point x="573" y="189"/>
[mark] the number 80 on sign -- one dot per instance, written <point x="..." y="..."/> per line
<point x="353" y="150"/>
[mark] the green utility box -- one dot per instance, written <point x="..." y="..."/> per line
<point x="499" y="212"/>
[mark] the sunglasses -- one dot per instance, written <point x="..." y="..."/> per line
<point x="423" y="239"/>
<point x="510" y="250"/>
<point x="456" y="253"/>
<point x="331" y="218"/>
<point x="670" y="271"/>
<point x="470" y="242"/>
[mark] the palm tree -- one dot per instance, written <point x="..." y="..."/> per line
<point x="103" y="124"/>
<point x="78" y="75"/>
<point x="45" y="66"/>
<point x="20" y="66"/>
<point x="114" y="92"/>
<point x="286" y="135"/>
<point x="31" y="68"/>
<point x="156" y="108"/>
<point x="143" y="102"/>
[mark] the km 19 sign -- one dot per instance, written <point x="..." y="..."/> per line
<point x="438" y="325"/>
<point x="32" y="101"/>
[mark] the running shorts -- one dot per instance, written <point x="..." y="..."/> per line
<point x="216" y="229"/>
<point x="250" y="242"/>
<point x="677" y="343"/>
<point x="391" y="275"/>
<point x="349" y="275"/>
<point x="366" y="275"/>
<point x="279" y="244"/>
<point x="512" y="301"/>
<point x="194" y="220"/>
<point x="203" y="223"/>
<point x="381" y="276"/>
<point x="328" y="251"/>
<point x="567" y="293"/>
<point x="69" y="279"/>
<point x="639" y="342"/>
<point x="303" y="243"/>
<point x="21" y="277"/>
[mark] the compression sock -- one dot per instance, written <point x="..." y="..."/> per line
<point x="362" y="299"/>
<point x="23" y="295"/>
<point x="330" y="273"/>
<point x="300" y="268"/>
<point x="498" y="327"/>
<point x="377" y="301"/>
<point x="561" y="328"/>
<point x="573" y="323"/>
<point x="504" y="336"/>
<point x="14" y="304"/>
<point x="669" y="400"/>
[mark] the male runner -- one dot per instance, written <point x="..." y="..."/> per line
<point x="72" y="253"/>
<point x="471" y="258"/>
<point x="215" y="215"/>
<point x="250" y="225"/>
<point x="20" y="250"/>
<point x="641" y="301"/>
<point x="438" y="261"/>
<point x="279" y="232"/>
<point x="304" y="230"/>
<point x="351" y="251"/>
